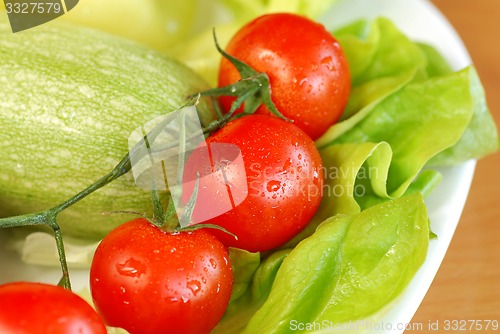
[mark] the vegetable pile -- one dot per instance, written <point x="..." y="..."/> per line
<point x="326" y="218"/>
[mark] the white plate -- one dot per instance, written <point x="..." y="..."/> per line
<point x="422" y="22"/>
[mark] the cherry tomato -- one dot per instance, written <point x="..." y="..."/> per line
<point x="307" y="68"/>
<point x="146" y="280"/>
<point x="27" y="308"/>
<point x="281" y="170"/>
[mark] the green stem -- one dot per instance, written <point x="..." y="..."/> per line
<point x="122" y="168"/>
<point x="44" y="218"/>
<point x="29" y="219"/>
<point x="65" y="281"/>
<point x="49" y="217"/>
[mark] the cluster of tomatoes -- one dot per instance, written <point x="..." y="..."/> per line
<point x="148" y="280"/>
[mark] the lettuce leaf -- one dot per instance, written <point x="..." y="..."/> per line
<point x="436" y="64"/>
<point x="376" y="70"/>
<point x="252" y="287"/>
<point x="418" y="122"/>
<point x="480" y="138"/>
<point x="390" y="101"/>
<point x="346" y="269"/>
<point x="377" y="49"/>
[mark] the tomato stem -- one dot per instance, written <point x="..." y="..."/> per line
<point x="200" y="226"/>
<point x="253" y="88"/>
<point x="185" y="219"/>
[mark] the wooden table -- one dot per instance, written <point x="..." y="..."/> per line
<point x="467" y="286"/>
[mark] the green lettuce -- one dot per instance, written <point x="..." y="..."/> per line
<point x="377" y="71"/>
<point x="480" y="138"/>
<point x="349" y="268"/>
<point x="377" y="49"/>
<point x="253" y="281"/>
<point x="419" y="121"/>
<point x="390" y="100"/>
<point x="345" y="271"/>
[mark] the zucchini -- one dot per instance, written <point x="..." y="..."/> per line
<point x="70" y="98"/>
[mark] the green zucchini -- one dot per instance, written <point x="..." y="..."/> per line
<point x="69" y="99"/>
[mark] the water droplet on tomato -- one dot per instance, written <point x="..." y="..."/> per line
<point x="328" y="63"/>
<point x="299" y="156"/>
<point x="131" y="268"/>
<point x="316" y="177"/>
<point x="194" y="286"/>
<point x="287" y="165"/>
<point x="184" y="299"/>
<point x="213" y="263"/>
<point x="273" y="185"/>
<point x="305" y="84"/>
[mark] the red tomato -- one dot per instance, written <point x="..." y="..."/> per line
<point x="283" y="177"/>
<point x="146" y="280"/>
<point x="307" y="69"/>
<point x="27" y="308"/>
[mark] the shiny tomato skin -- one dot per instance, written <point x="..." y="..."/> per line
<point x="284" y="177"/>
<point x="146" y="280"/>
<point x="27" y="308"/>
<point x="307" y="68"/>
